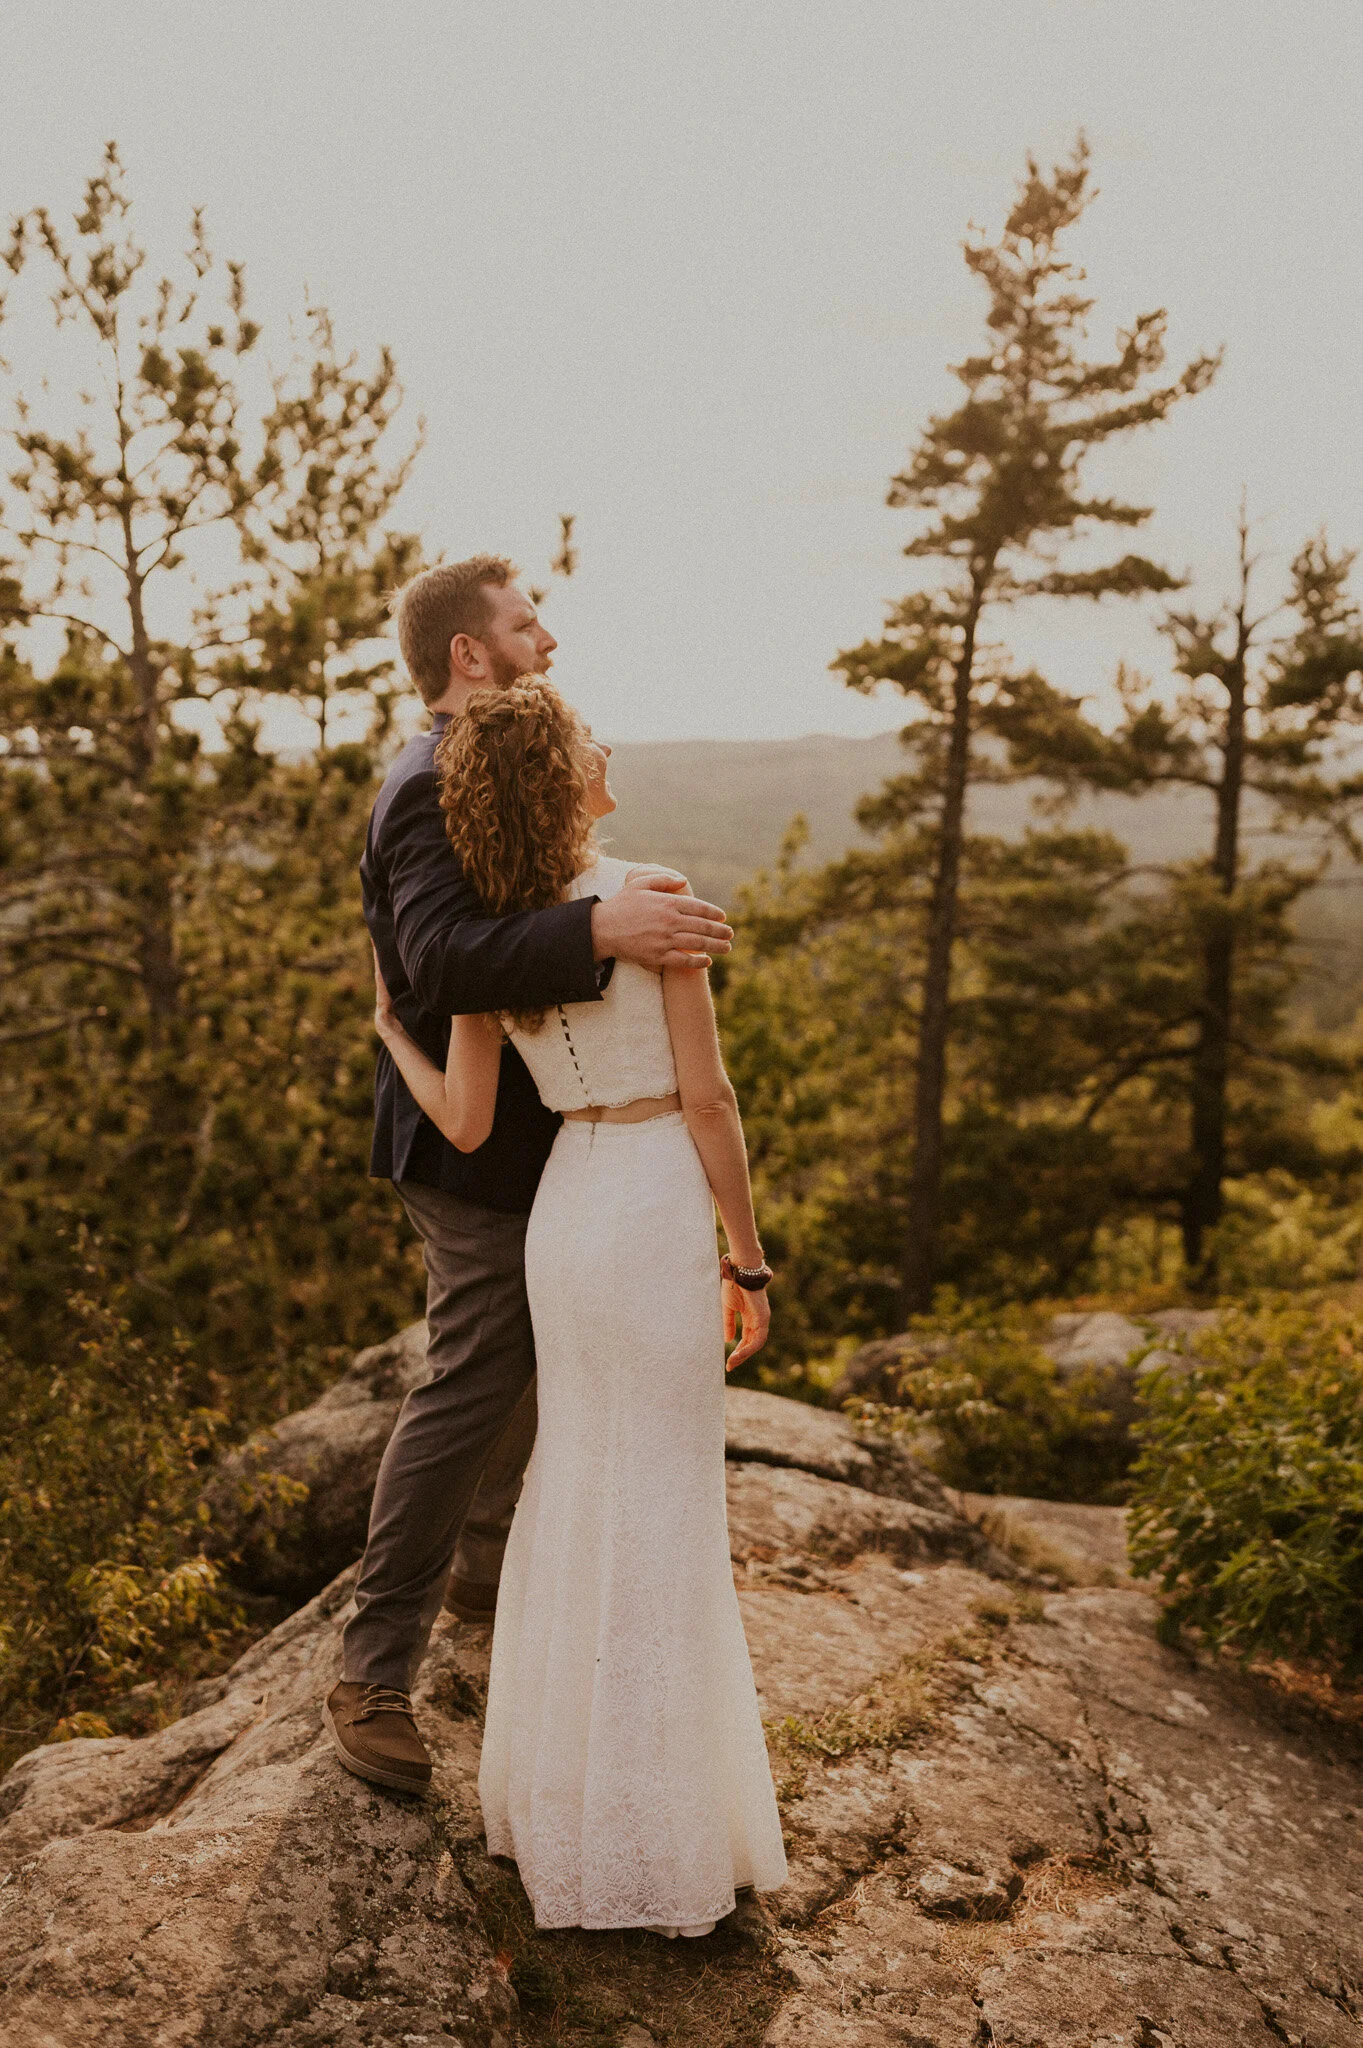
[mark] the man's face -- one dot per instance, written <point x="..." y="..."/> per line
<point x="514" y="641"/>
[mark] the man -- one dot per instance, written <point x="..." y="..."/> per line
<point x="461" y="628"/>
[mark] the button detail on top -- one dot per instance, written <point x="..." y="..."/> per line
<point x="572" y="1052"/>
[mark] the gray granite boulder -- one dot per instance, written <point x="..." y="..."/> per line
<point x="1078" y="1838"/>
<point x="225" y="1883"/>
<point x="333" y="1449"/>
<point x="334" y="1446"/>
<point x="1116" y="1350"/>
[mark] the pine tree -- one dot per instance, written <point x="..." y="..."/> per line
<point x="1000" y="482"/>
<point x="1257" y="716"/>
<point x="185" y="984"/>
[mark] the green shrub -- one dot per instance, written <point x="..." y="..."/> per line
<point x="992" y="1414"/>
<point x="1279" y="1232"/>
<point x="103" y="1580"/>
<point x="1247" y="1496"/>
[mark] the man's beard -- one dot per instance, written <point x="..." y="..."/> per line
<point x="504" y="672"/>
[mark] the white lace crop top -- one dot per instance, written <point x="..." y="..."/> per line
<point x="601" y="1055"/>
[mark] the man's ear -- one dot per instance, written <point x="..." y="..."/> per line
<point x="468" y="663"/>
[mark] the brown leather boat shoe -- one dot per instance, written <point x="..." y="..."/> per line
<point x="470" y="1601"/>
<point x="373" y="1732"/>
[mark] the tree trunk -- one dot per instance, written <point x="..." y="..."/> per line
<point x="925" y="1180"/>
<point x="155" y="910"/>
<point x="1202" y="1199"/>
<point x="1211" y="1056"/>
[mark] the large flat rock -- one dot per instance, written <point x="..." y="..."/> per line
<point x="226" y="1883"/>
<point x="766" y="1429"/>
<point x="1078" y="1839"/>
<point x="1083" y="1541"/>
<point x="777" y="1511"/>
<point x="1099" y="1845"/>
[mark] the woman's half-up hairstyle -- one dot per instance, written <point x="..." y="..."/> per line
<point x="513" y="787"/>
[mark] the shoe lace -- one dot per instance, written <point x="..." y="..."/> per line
<point x="384" y="1699"/>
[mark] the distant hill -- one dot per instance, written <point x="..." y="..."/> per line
<point x="718" y="809"/>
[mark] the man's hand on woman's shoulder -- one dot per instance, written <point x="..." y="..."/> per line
<point x="656" y="922"/>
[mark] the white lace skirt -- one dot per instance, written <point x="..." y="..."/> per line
<point x="624" y="1765"/>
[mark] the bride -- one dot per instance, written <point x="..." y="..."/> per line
<point x="623" y="1766"/>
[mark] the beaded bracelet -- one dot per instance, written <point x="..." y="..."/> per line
<point x="752" y="1279"/>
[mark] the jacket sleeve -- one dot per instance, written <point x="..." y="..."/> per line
<point x="457" y="958"/>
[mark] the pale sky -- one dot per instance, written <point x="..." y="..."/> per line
<point x="693" y="273"/>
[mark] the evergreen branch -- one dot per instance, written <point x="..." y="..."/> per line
<point x="74" y="958"/>
<point x="1139" y="1063"/>
<point x="77" y="935"/>
<point x="30" y="537"/>
<point x="46" y="611"/>
<point x="49" y="1029"/>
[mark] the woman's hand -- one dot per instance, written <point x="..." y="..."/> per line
<point x="385" y="1016"/>
<point x="750" y="1313"/>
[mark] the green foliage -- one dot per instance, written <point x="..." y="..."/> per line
<point x="229" y="1189"/>
<point x="1279" y="1232"/>
<point x="979" y="1396"/>
<point x="1247" y="1497"/>
<point x="1270" y="719"/>
<point x="184" y="975"/>
<point x="1065" y="1121"/>
<point x="1076" y="1012"/>
<point x="102" y="1572"/>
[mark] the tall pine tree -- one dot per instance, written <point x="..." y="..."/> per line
<point x="1000" y="482"/>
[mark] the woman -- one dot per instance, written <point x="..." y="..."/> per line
<point x="624" y="1766"/>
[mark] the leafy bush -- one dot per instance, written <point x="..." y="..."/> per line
<point x="102" y="1575"/>
<point x="1283" y="1233"/>
<point x="1248" y="1492"/>
<point x="976" y="1386"/>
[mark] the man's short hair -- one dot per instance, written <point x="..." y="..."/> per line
<point x="439" y="603"/>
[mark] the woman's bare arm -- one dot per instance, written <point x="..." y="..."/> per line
<point x="462" y="1101"/>
<point x="711" y="1111"/>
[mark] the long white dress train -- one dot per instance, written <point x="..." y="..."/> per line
<point x="624" y="1766"/>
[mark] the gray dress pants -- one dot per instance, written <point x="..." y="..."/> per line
<point x="475" y="1412"/>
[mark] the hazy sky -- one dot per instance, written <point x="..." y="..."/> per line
<point x="693" y="272"/>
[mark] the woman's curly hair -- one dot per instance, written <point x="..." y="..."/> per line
<point x="513" y="787"/>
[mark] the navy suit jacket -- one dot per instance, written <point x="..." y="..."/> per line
<point x="443" y="956"/>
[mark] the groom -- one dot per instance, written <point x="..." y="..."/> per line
<point x="461" y="628"/>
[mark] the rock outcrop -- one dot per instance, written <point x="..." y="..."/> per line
<point x="334" y="1448"/>
<point x="1117" y="1349"/>
<point x="225" y="1882"/>
<point x="1012" y="1819"/>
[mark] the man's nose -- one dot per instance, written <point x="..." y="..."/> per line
<point x="547" y="641"/>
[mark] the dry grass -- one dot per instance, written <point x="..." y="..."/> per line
<point x="1059" y="1884"/>
<point x="1027" y="1546"/>
<point x="899" y="1703"/>
<point x="997" y="1610"/>
<point x="895" y="1706"/>
<point x="1318" y="1691"/>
